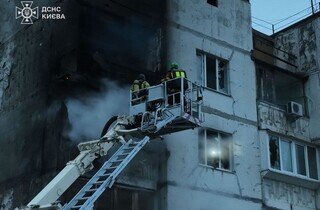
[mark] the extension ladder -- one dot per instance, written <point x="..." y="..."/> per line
<point x="105" y="177"/>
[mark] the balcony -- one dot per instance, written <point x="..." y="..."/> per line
<point x="275" y="118"/>
<point x="264" y="51"/>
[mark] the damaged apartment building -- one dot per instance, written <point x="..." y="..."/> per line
<point x="287" y="78"/>
<point x="258" y="147"/>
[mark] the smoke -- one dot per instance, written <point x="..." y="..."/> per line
<point x="7" y="198"/>
<point x="89" y="114"/>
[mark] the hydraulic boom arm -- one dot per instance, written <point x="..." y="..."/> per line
<point x="89" y="151"/>
<point x="155" y="112"/>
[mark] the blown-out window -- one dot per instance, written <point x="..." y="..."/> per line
<point x="292" y="157"/>
<point x="213" y="72"/>
<point x="279" y="88"/>
<point x="125" y="199"/>
<point x="215" y="149"/>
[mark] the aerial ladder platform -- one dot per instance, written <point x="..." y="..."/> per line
<point x="169" y="107"/>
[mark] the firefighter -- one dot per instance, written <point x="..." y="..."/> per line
<point x="174" y="72"/>
<point x="138" y="87"/>
<point x="174" y="86"/>
<point x="140" y="83"/>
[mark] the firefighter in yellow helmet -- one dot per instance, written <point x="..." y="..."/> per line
<point x="174" y="86"/>
<point x="173" y="73"/>
<point x="138" y="85"/>
<point x="170" y="73"/>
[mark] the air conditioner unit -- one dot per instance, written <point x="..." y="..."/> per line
<point x="294" y="109"/>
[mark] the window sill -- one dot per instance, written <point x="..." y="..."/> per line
<point x="290" y="178"/>
<point x="215" y="91"/>
<point x="217" y="169"/>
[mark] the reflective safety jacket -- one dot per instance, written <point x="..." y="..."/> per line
<point x="175" y="85"/>
<point x="178" y="73"/>
<point x="137" y="85"/>
<point x="172" y="74"/>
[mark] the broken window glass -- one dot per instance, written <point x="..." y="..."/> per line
<point x="211" y="73"/>
<point x="285" y="153"/>
<point x="200" y="69"/>
<point x="286" y="157"/>
<point x="268" y="82"/>
<point x="312" y="162"/>
<point x="300" y="157"/>
<point x="214" y="71"/>
<point x="274" y="152"/>
<point x="222" y="71"/>
<point x="279" y="88"/>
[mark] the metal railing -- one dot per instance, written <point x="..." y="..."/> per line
<point x="271" y="28"/>
<point x="173" y="93"/>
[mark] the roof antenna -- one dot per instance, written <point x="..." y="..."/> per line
<point x="312" y="7"/>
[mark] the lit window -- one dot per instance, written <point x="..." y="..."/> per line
<point x="214" y="72"/>
<point x="214" y="149"/>
<point x="282" y="154"/>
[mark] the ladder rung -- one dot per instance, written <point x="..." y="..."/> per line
<point x="108" y="174"/>
<point x="99" y="182"/>
<point x="84" y="198"/>
<point x="121" y="155"/>
<point x="112" y="167"/>
<point x="126" y="151"/>
<point x="115" y="161"/>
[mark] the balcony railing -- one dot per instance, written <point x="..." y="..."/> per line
<point x="275" y="118"/>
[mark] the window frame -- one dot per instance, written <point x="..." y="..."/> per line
<point x="306" y="167"/>
<point x="220" y="138"/>
<point x="293" y="145"/>
<point x="281" y="158"/>
<point x="204" y="72"/>
<point x="307" y="161"/>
